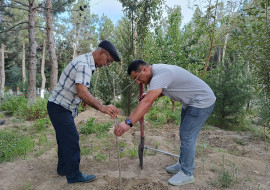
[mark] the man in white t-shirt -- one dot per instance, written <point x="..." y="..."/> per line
<point x="196" y="97"/>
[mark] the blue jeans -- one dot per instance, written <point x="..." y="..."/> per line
<point x="67" y="139"/>
<point x="192" y="120"/>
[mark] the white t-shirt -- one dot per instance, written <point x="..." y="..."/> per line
<point x="182" y="86"/>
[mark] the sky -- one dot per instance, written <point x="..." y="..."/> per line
<point x="113" y="9"/>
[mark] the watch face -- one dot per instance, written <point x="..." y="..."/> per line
<point x="128" y="122"/>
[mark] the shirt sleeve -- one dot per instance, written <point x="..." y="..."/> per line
<point x="161" y="80"/>
<point x="83" y="75"/>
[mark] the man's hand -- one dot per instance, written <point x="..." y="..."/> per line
<point x="84" y="105"/>
<point x="111" y="110"/>
<point x="121" y="128"/>
<point x="141" y="97"/>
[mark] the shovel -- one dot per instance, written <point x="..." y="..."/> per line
<point x="141" y="145"/>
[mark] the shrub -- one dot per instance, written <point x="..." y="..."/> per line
<point x="233" y="90"/>
<point x="92" y="127"/>
<point x="41" y="124"/>
<point x="17" y="105"/>
<point x="13" y="103"/>
<point x="13" y="144"/>
<point x="161" y="112"/>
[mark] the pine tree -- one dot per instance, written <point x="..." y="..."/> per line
<point x="232" y="90"/>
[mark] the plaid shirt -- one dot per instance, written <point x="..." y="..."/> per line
<point x="80" y="71"/>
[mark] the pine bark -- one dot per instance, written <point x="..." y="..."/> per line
<point x="23" y="64"/>
<point x="3" y="68"/>
<point x="32" y="54"/>
<point x="225" y="46"/>
<point x="52" y="55"/>
<point x="75" y="54"/>
<point x="42" y="71"/>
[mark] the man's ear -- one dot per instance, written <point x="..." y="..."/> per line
<point x="144" y="68"/>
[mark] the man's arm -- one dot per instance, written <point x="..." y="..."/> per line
<point x="88" y="98"/>
<point x="144" y="105"/>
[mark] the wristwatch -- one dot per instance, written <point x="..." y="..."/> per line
<point x="128" y="122"/>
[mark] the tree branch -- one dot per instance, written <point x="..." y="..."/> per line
<point x="60" y="6"/>
<point x="11" y="6"/>
<point x="13" y="30"/>
<point x="20" y="3"/>
<point x="10" y="29"/>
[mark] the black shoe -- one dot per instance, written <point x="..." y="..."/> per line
<point x="80" y="177"/>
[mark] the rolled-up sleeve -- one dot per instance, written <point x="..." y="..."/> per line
<point x="83" y="75"/>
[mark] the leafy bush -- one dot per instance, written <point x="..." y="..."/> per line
<point x="13" y="144"/>
<point x="161" y="112"/>
<point x="17" y="105"/>
<point x="92" y="127"/>
<point x="41" y="124"/>
<point x="13" y="103"/>
<point x="37" y="110"/>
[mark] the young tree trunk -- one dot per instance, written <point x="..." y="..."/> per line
<point x="211" y="36"/>
<point x="173" y="105"/>
<point x="219" y="55"/>
<point x="32" y="54"/>
<point x="207" y="61"/>
<point x="225" y="46"/>
<point x="76" y="41"/>
<point x="23" y="64"/>
<point x="42" y="70"/>
<point x="52" y="55"/>
<point x="3" y="68"/>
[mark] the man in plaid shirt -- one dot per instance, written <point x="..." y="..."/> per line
<point x="70" y="91"/>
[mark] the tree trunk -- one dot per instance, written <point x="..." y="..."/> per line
<point x="207" y="61"/>
<point x="32" y="54"/>
<point x="42" y="70"/>
<point x="219" y="55"/>
<point x="224" y="48"/>
<point x="3" y="68"/>
<point x="76" y="41"/>
<point x="211" y="36"/>
<point x="52" y="55"/>
<point x="173" y="105"/>
<point x="23" y="64"/>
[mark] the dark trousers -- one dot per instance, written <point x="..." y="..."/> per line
<point x="67" y="139"/>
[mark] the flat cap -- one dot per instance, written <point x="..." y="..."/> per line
<point x="109" y="47"/>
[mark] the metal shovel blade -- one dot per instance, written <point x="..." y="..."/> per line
<point x="140" y="150"/>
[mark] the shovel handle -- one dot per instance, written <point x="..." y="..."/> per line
<point x="142" y="119"/>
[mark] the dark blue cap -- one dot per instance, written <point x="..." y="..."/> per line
<point x="109" y="47"/>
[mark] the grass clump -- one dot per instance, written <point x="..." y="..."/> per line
<point x="13" y="145"/>
<point x="226" y="177"/>
<point x="92" y="127"/>
<point x="41" y="124"/>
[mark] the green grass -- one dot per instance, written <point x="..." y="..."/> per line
<point x="92" y="127"/>
<point x="13" y="145"/>
<point x="41" y="124"/>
